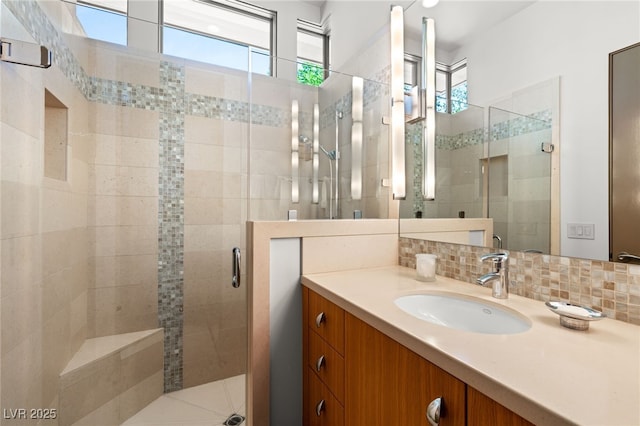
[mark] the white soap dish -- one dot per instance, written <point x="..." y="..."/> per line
<point x="573" y="316"/>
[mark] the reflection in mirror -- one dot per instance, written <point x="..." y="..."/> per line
<point x="496" y="163"/>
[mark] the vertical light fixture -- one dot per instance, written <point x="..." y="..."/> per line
<point x="429" y="105"/>
<point x="357" y="85"/>
<point x="295" y="191"/>
<point x="397" y="103"/>
<point x="315" y="197"/>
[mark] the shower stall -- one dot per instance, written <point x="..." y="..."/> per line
<point x="127" y="181"/>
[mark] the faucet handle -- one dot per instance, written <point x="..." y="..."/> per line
<point x="497" y="258"/>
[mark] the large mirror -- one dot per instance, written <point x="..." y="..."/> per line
<point x="538" y="70"/>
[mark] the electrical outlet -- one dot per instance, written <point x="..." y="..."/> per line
<point x="582" y="231"/>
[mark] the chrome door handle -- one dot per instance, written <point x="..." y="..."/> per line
<point x="434" y="411"/>
<point x="320" y="407"/>
<point x="320" y="319"/>
<point x="624" y="256"/>
<point x="235" y="281"/>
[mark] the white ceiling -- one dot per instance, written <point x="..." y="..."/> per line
<point x="457" y="21"/>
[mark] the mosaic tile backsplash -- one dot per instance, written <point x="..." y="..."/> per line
<point x="610" y="287"/>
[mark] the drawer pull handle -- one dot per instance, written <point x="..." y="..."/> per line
<point x="320" y="407"/>
<point x="320" y="319"/>
<point x="434" y="411"/>
<point x="319" y="363"/>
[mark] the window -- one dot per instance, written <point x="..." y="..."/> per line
<point x="104" y="19"/>
<point x="451" y="87"/>
<point x="227" y="33"/>
<point x="313" y="55"/>
<point x="451" y="83"/>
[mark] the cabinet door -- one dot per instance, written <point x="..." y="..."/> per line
<point x="326" y="319"/>
<point x="482" y="410"/>
<point x="386" y="383"/>
<point x="323" y="408"/>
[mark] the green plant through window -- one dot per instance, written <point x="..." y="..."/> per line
<point x="310" y="74"/>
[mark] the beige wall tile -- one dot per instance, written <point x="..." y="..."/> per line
<point x="124" y="240"/>
<point x="123" y="121"/>
<point x="106" y="414"/>
<point x="116" y="63"/>
<point x="140" y="395"/>
<point x="91" y="389"/>
<point x="125" y="151"/>
<point x="123" y="181"/>
<point x="216" y="81"/>
<point x="141" y="365"/>
<point x="21" y="263"/>
<point x="124" y="270"/>
<point x="203" y="238"/>
<point x="26" y="115"/>
<point x="204" y="130"/>
<point x="116" y="310"/>
<point x="21" y="316"/>
<point x="202" y="211"/>
<point x="20" y="209"/>
<point x="123" y="211"/>
<point x="21" y="156"/>
<point x="22" y="373"/>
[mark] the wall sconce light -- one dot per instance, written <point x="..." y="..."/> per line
<point x="295" y="190"/>
<point x="315" y="197"/>
<point x="429" y="107"/>
<point x="357" y="84"/>
<point x="397" y="103"/>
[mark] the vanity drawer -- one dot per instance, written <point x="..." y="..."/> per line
<point x="323" y="408"/>
<point x="327" y="364"/>
<point x="327" y="320"/>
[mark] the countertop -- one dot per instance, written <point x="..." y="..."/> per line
<point x="548" y="374"/>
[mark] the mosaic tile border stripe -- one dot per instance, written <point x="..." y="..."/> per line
<point x="171" y="223"/>
<point x="611" y="287"/>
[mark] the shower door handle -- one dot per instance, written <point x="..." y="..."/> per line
<point x="235" y="282"/>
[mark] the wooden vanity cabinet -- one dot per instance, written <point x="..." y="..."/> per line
<point x="355" y="375"/>
<point x="387" y="384"/>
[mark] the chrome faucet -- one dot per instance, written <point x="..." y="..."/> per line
<point x="500" y="275"/>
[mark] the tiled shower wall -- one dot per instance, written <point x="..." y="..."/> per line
<point x="611" y="287"/>
<point x="166" y="151"/>
<point x="43" y="237"/>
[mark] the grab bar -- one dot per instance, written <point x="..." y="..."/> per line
<point x="235" y="282"/>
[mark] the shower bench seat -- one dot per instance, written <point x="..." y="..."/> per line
<point x="111" y="378"/>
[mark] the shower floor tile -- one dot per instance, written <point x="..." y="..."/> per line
<point x="205" y="405"/>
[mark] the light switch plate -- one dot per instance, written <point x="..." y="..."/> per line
<point x="581" y="231"/>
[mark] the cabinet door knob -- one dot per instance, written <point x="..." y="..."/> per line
<point x="320" y="363"/>
<point x="434" y="411"/>
<point x="320" y="407"/>
<point x="320" y="319"/>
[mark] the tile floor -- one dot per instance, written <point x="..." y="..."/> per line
<point x="205" y="405"/>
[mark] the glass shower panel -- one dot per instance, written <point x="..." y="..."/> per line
<point x="519" y="180"/>
<point x="215" y="214"/>
<point x="460" y="150"/>
<point x="283" y="151"/>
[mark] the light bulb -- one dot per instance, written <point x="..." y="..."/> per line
<point x="429" y="3"/>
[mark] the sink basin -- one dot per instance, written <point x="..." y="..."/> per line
<point x="463" y="313"/>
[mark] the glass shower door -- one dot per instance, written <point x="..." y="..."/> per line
<point x="519" y="180"/>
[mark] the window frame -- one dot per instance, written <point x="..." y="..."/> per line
<point x="447" y="70"/>
<point x="239" y="7"/>
<point x="101" y="8"/>
<point x="320" y="31"/>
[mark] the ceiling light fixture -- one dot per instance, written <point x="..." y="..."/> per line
<point x="429" y="3"/>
